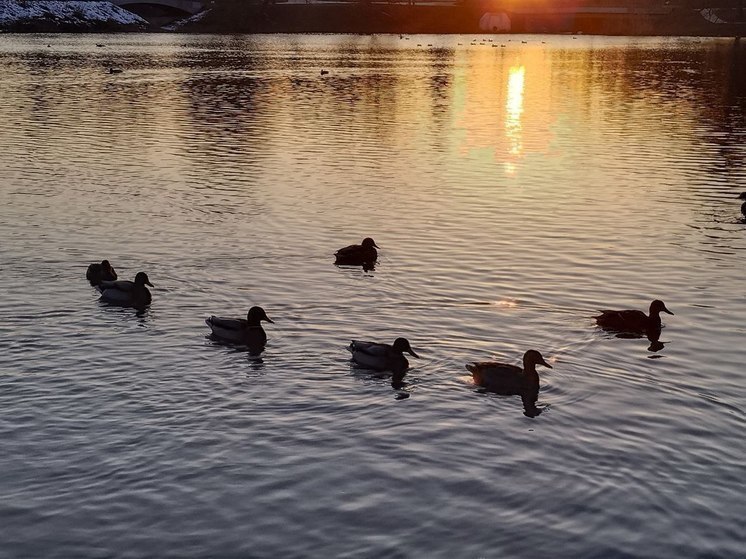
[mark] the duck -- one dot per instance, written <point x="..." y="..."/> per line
<point x="743" y="209"/>
<point x="509" y="379"/>
<point x="97" y="273"/>
<point x="246" y="331"/>
<point x="324" y="72"/>
<point x="357" y="255"/>
<point x="633" y="320"/>
<point x="114" y="70"/>
<point x="127" y="293"/>
<point x="382" y="357"/>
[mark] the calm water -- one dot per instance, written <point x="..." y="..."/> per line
<point x="514" y="190"/>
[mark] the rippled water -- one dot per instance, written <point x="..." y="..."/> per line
<point x="513" y="189"/>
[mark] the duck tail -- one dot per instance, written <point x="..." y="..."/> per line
<point x="351" y="347"/>
<point x="471" y="367"/>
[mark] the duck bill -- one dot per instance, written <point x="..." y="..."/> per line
<point x="667" y="311"/>
<point x="412" y="353"/>
<point x="150" y="284"/>
<point x="375" y="245"/>
<point x="268" y="319"/>
<point x="547" y="365"/>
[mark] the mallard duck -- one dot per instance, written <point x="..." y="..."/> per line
<point x="127" y="293"/>
<point x="97" y="273"/>
<point x="633" y="320"/>
<point x="382" y="357"/>
<point x="246" y="331"/>
<point x="357" y="255"/>
<point x="504" y="378"/>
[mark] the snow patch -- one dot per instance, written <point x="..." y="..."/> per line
<point x="69" y="12"/>
<point x="175" y="26"/>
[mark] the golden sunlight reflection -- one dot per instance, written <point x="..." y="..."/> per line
<point x="509" y="107"/>
<point x="514" y="108"/>
<point x="506" y="303"/>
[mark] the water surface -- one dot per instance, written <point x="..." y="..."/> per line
<point x="514" y="191"/>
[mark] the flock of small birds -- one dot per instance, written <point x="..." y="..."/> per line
<point x="492" y="376"/>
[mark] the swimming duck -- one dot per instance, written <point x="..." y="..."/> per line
<point x="633" y="320"/>
<point x="742" y="196"/>
<point x="97" y="273"/>
<point x="743" y="209"/>
<point x="357" y="255"/>
<point x="382" y="357"/>
<point x="246" y="331"/>
<point x="509" y="379"/>
<point x="127" y="293"/>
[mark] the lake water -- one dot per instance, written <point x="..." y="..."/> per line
<point x="513" y="190"/>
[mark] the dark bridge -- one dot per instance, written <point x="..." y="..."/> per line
<point x="185" y="7"/>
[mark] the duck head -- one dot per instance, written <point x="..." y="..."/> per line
<point x="532" y="358"/>
<point x="106" y="266"/>
<point x="256" y="315"/>
<point x="402" y="344"/>
<point x="658" y="306"/>
<point x="369" y="243"/>
<point x="141" y="279"/>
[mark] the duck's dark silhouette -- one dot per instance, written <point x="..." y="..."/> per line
<point x="97" y="273"/>
<point x="357" y="255"/>
<point x="114" y="70"/>
<point x="246" y="331"/>
<point x="127" y="293"/>
<point x="324" y="72"/>
<point x="503" y="378"/>
<point x="383" y="357"/>
<point x="633" y="320"/>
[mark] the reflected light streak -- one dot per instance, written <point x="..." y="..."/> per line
<point x="513" y="113"/>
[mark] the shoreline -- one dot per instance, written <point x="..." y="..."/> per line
<point x="463" y="19"/>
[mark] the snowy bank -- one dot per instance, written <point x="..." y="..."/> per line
<point x="59" y="15"/>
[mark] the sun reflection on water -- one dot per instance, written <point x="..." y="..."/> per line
<point x="513" y="113"/>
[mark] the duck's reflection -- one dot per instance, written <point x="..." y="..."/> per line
<point x="652" y="334"/>
<point x="528" y="399"/>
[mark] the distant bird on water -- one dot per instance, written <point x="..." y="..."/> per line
<point x="324" y="72"/>
<point x="97" y="273"/>
<point x="113" y="70"/>
<point x="127" y="293"/>
<point x="246" y="331"/>
<point x="742" y="196"/>
<point x="633" y="320"/>
<point x="357" y="255"/>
